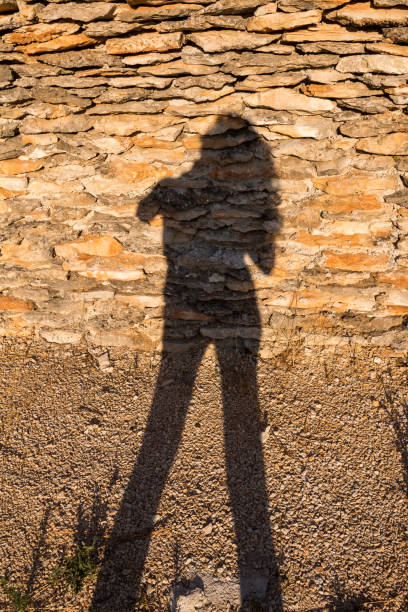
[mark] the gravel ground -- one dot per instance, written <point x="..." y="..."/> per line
<point x="335" y="449"/>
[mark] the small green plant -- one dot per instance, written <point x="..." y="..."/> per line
<point x="19" y="602"/>
<point x="77" y="568"/>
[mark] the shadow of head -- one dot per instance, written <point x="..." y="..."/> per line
<point x="223" y="195"/>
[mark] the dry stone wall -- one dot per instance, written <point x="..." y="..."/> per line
<point x="228" y="166"/>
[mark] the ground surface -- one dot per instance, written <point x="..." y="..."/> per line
<point x="334" y="437"/>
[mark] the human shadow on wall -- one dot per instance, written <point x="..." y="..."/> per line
<point x="218" y="217"/>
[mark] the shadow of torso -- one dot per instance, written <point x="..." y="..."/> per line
<point x="219" y="222"/>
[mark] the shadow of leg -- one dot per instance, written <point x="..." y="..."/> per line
<point x="125" y="553"/>
<point x="246" y="481"/>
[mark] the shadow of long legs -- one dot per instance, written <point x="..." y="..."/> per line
<point x="121" y="572"/>
<point x="119" y="579"/>
<point x="258" y="570"/>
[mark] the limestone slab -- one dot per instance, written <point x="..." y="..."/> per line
<point x="136" y="3"/>
<point x="198" y="23"/>
<point x="330" y="32"/>
<point x="11" y="167"/>
<point x="127" y="124"/>
<point x="388" y="48"/>
<point x="8" y="127"/>
<point x="145" y="43"/>
<point x="281" y="21"/>
<point x="356" y="261"/>
<point x="276" y="49"/>
<point x="266" y="81"/>
<point x="79" y="59"/>
<point x="193" y="55"/>
<point x="371" y="105"/>
<point x="140" y="81"/>
<point x="356" y="183"/>
<point x="363" y="14"/>
<point x="61" y="43"/>
<point x="311" y="150"/>
<point x="287" y="99"/>
<point x="58" y="95"/>
<point x="398" y="35"/>
<point x="328" y="75"/>
<point x="345" y="89"/>
<point x="304" y="5"/>
<point x="388" y="144"/>
<point x="213" y="125"/>
<point x="77" y="11"/>
<point x="15" y="304"/>
<point x="261" y="63"/>
<point x="145" y="59"/>
<point x="102" y="246"/>
<point x="228" y="105"/>
<point x="196" y="94"/>
<point x="216" y="41"/>
<point x="100" y="31"/>
<point x="307" y="127"/>
<point x="39" y="32"/>
<point x="231" y="7"/>
<point x="70" y="124"/>
<point x="5" y="76"/>
<point x="123" y="267"/>
<point x="137" y="107"/>
<point x="8" y="5"/>
<point x="390" y="3"/>
<point x="377" y="124"/>
<point x="164" y="12"/>
<point x="176" y="68"/>
<point x="340" y="48"/>
<point x="362" y="64"/>
<point x="211" y="81"/>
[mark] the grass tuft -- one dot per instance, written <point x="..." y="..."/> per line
<point x="77" y="568"/>
<point x="19" y="601"/>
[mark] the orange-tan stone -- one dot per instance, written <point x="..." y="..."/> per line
<point x="6" y="194"/>
<point x="344" y="89"/>
<point x="334" y="240"/>
<point x="397" y="278"/>
<point x="388" y="144"/>
<point x="10" y="167"/>
<point x="144" y="43"/>
<point x="282" y="21"/>
<point x="24" y="255"/>
<point x="135" y="172"/>
<point x="62" y="43"/>
<point x="141" y="301"/>
<point x="282" y="98"/>
<point x="364" y="14"/>
<point x="103" y="246"/>
<point x="369" y="204"/>
<point x="330" y="32"/>
<point x="127" y="124"/>
<point x="40" y="33"/>
<point x="356" y="261"/>
<point x="122" y="267"/>
<point x="356" y="184"/>
<point x="389" y="48"/>
<point x="15" y="304"/>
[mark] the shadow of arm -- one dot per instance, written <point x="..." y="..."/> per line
<point x="148" y="208"/>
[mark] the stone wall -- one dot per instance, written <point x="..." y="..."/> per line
<point x="255" y="152"/>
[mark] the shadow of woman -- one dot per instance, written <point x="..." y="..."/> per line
<point x="217" y="218"/>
